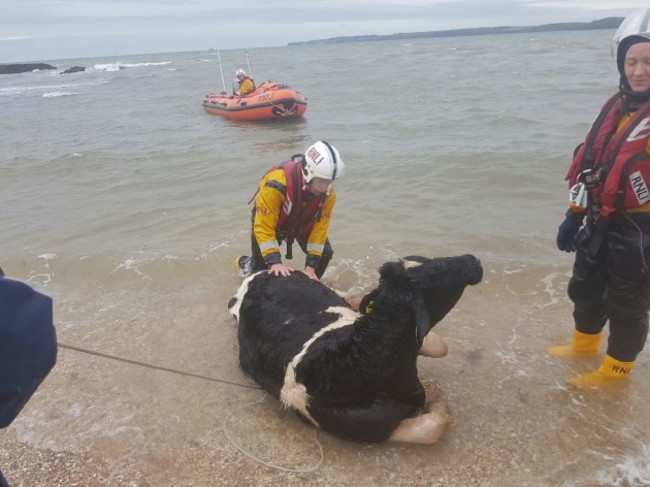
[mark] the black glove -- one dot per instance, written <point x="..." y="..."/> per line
<point x="567" y="232"/>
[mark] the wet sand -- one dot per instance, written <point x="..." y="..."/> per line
<point x="97" y="421"/>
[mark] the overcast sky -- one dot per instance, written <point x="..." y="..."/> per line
<point x="41" y="30"/>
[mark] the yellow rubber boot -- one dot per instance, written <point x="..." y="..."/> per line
<point x="611" y="373"/>
<point x="582" y="345"/>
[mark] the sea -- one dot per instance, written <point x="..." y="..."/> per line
<point x="128" y="204"/>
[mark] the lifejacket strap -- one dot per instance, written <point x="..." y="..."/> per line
<point x="289" y="254"/>
<point x="277" y="185"/>
<point x="597" y="238"/>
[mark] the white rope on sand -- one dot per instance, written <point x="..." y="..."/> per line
<point x="250" y="455"/>
<point x="225" y="423"/>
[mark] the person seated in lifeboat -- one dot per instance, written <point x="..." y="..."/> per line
<point x="246" y="84"/>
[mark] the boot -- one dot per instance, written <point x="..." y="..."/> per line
<point x="582" y="345"/>
<point x="612" y="373"/>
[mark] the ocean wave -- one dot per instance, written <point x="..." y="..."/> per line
<point x="119" y="66"/>
<point x="49" y="88"/>
<point x="56" y="94"/>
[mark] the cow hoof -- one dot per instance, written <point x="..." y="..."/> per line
<point x="425" y="429"/>
<point x="440" y="408"/>
<point x="433" y="346"/>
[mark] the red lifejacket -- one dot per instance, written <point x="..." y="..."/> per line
<point x="619" y="159"/>
<point x="297" y="217"/>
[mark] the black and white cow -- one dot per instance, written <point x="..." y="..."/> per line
<point x="352" y="374"/>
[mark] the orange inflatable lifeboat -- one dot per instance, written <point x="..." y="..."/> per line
<point x="269" y="101"/>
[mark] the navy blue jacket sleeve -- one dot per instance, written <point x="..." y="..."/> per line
<point x="28" y="345"/>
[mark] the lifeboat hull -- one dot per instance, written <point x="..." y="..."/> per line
<point x="269" y="101"/>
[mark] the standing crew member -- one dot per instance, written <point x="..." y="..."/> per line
<point x="246" y="84"/>
<point x="294" y="202"/>
<point x="609" y="181"/>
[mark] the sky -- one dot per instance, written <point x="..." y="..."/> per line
<point x="42" y="30"/>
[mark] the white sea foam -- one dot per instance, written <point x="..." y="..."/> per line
<point x="50" y="89"/>
<point x="119" y="66"/>
<point x="633" y="471"/>
<point x="107" y="67"/>
<point x="39" y="282"/>
<point x="131" y="265"/>
<point x="56" y="94"/>
<point x="552" y="288"/>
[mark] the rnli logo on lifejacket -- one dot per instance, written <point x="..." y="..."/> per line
<point x="641" y="131"/>
<point x="639" y="187"/>
<point x="315" y="156"/>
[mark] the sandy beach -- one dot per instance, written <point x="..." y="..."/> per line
<point x="98" y="421"/>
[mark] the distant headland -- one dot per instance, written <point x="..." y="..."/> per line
<point x="607" y="23"/>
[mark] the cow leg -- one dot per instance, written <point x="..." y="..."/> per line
<point x="426" y="428"/>
<point x="372" y="423"/>
<point x="433" y="346"/>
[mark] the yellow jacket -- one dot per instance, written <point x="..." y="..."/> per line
<point x="245" y="87"/>
<point x="271" y="197"/>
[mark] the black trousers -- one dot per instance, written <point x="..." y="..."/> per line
<point x="258" y="264"/>
<point x="612" y="283"/>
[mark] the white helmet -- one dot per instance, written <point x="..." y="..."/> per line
<point x="634" y="28"/>
<point x="322" y="161"/>
<point x="240" y="72"/>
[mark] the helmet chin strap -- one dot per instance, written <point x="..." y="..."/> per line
<point x="632" y="99"/>
<point x="301" y="158"/>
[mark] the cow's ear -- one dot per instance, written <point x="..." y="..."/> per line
<point x="392" y="271"/>
<point x="422" y="317"/>
<point x="365" y="306"/>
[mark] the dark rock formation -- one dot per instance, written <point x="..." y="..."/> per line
<point x="74" y="69"/>
<point x="23" y="68"/>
